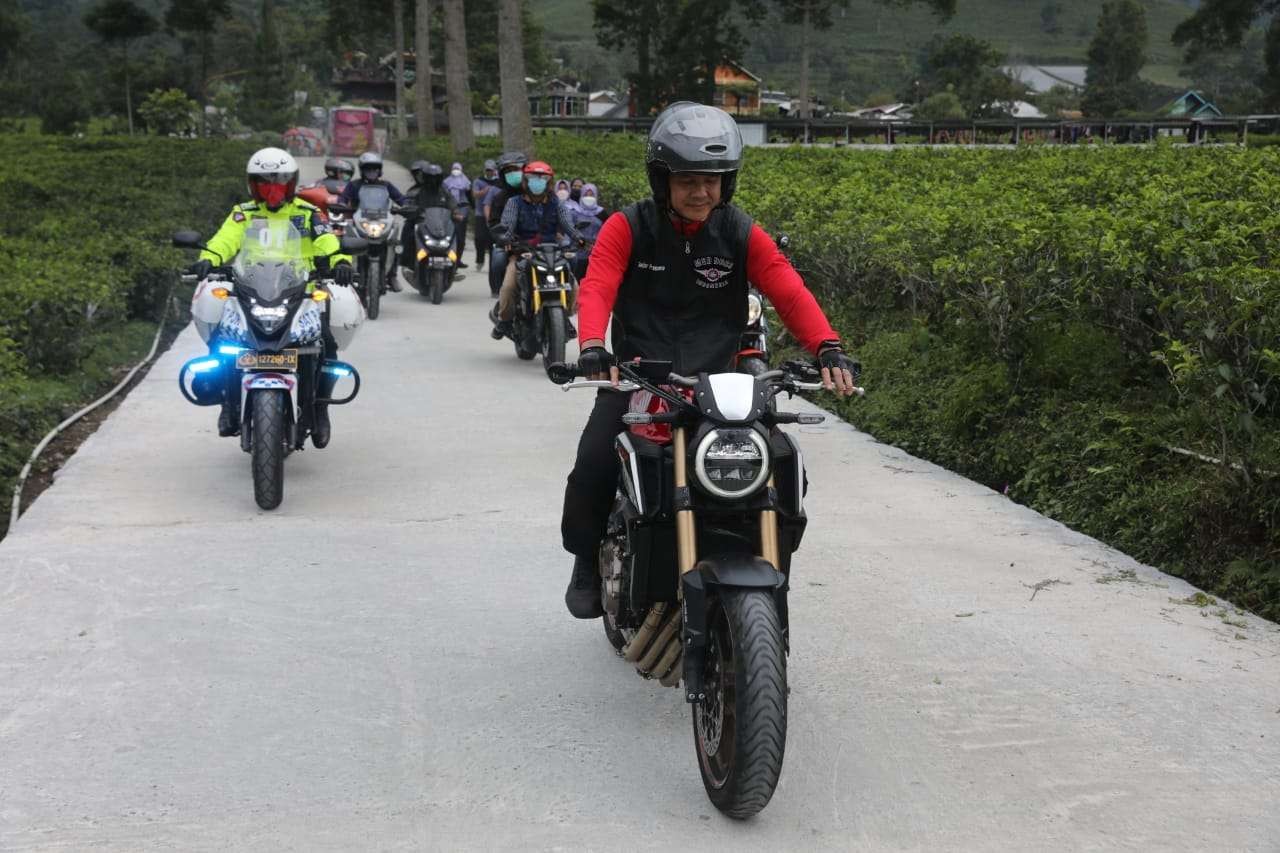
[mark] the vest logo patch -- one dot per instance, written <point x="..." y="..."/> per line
<point x="645" y="265"/>
<point x="713" y="273"/>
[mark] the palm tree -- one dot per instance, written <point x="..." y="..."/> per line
<point x="461" y="134"/>
<point x="517" y="133"/>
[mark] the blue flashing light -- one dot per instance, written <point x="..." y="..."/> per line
<point x="338" y="371"/>
<point x="206" y="365"/>
<point x="230" y="349"/>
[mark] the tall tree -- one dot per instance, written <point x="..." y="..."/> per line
<point x="121" y="22"/>
<point x="397" y="13"/>
<point x="517" y="130"/>
<point x="968" y="68"/>
<point x="198" y="19"/>
<point x="424" y="102"/>
<point x="1221" y="24"/>
<point x="456" y="72"/>
<point x="1116" y="55"/>
<point x="267" y="102"/>
<point x="637" y="24"/>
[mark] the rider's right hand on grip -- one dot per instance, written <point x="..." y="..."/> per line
<point x="201" y="269"/>
<point x="594" y="362"/>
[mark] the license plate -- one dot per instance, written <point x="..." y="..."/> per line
<point x="286" y="360"/>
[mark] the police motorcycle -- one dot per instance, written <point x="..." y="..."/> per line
<point x="435" y="260"/>
<point x="696" y="564"/>
<point x="545" y="284"/>
<point x="373" y="220"/>
<point x="265" y="332"/>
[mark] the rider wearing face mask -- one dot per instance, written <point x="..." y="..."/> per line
<point x="370" y="166"/>
<point x="510" y="181"/>
<point x="536" y="216"/>
<point x="673" y="272"/>
<point x="272" y="176"/>
<point x="575" y="189"/>
<point x="459" y="186"/>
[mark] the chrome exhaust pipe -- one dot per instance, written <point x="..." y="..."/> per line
<point x="635" y="649"/>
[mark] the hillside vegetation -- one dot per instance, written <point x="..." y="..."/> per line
<point x="1055" y="323"/>
<point x="873" y="46"/>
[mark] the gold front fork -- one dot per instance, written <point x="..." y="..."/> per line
<point x="686" y="535"/>
<point x="769" y="536"/>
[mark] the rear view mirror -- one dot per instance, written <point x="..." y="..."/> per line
<point x="784" y="242"/>
<point x="188" y="240"/>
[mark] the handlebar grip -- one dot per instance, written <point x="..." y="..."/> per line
<point x="190" y="278"/>
<point x="562" y="373"/>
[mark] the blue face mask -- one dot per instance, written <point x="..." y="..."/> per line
<point x="537" y="186"/>
<point x="512" y="179"/>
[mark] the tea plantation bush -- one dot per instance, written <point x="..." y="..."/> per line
<point x="1050" y="322"/>
<point x="85" y="265"/>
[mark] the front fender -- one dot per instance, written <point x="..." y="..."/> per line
<point x="744" y="570"/>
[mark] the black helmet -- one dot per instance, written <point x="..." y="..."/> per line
<point x="689" y="137"/>
<point x="429" y="176"/>
<point x="510" y="159"/>
<point x="333" y="167"/>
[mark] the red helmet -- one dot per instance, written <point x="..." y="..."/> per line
<point x="538" y="167"/>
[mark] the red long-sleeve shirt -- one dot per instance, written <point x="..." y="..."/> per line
<point x="767" y="268"/>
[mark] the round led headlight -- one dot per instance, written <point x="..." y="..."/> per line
<point x="373" y="229"/>
<point x="755" y="307"/>
<point x="732" y="463"/>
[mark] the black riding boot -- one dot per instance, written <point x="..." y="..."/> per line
<point x="229" y="418"/>
<point x="583" y="595"/>
<point x="321" y="430"/>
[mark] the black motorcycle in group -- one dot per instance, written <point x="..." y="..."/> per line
<point x="545" y="285"/>
<point x="695" y="568"/>
<point x="372" y="219"/>
<point x="435" y="260"/>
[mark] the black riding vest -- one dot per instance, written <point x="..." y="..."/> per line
<point x="683" y="300"/>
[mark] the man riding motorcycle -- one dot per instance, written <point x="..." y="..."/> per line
<point x="673" y="271"/>
<point x="272" y="175"/>
<point x="510" y="182"/>
<point x="370" y="165"/>
<point x="427" y="191"/>
<point x="535" y="216"/>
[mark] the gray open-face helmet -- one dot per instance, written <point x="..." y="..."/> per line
<point x="689" y="137"/>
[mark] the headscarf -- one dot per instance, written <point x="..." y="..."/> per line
<point x="458" y="185"/>
<point x="593" y="217"/>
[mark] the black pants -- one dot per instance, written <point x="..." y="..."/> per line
<point x="483" y="240"/>
<point x="460" y="236"/>
<point x="593" y="482"/>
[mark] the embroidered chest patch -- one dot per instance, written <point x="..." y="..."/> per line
<point x="713" y="272"/>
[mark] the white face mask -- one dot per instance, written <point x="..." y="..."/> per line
<point x="563" y="195"/>
<point x="588" y="201"/>
<point x="457" y="173"/>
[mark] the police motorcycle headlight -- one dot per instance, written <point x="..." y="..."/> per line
<point x="372" y="228"/>
<point x="755" y="307"/>
<point x="269" y="317"/>
<point x="732" y="463"/>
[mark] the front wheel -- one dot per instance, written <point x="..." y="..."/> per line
<point x="437" y="286"/>
<point x="374" y="284"/>
<point x="269" y="432"/>
<point x="552" y="336"/>
<point x="740" y="728"/>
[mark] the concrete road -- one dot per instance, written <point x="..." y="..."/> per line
<point x="384" y="663"/>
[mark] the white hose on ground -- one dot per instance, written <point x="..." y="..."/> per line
<point x="15" y="508"/>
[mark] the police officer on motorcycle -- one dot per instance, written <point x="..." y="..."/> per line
<point x="673" y="271"/>
<point x="272" y="176"/>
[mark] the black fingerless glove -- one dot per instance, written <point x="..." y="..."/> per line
<point x="833" y="357"/>
<point x="595" y="360"/>
<point x="342" y="274"/>
<point x="322" y="266"/>
<point x="201" y="268"/>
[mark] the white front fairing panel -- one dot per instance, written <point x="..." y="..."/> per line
<point x="306" y="324"/>
<point x="206" y="309"/>
<point x="734" y="393"/>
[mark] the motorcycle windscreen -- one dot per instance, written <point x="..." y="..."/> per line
<point x="271" y="261"/>
<point x="437" y="223"/>
<point x="374" y="202"/>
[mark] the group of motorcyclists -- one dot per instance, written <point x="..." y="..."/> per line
<point x="671" y="271"/>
